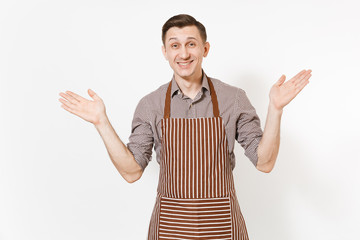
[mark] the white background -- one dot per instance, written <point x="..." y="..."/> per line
<point x="56" y="179"/>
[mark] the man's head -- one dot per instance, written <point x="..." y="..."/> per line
<point x="184" y="45"/>
<point x="180" y="21"/>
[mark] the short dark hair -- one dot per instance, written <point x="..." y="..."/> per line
<point x="183" y="20"/>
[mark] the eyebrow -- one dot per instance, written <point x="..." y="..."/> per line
<point x="174" y="38"/>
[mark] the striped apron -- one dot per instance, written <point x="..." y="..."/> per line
<point x="196" y="197"/>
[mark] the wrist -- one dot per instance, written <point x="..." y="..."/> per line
<point x="102" y="120"/>
<point x="275" y="109"/>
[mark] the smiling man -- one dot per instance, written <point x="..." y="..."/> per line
<point x="192" y="122"/>
<point x="184" y="49"/>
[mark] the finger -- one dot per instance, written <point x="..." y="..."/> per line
<point x="301" y="86"/>
<point x="93" y="95"/>
<point x="75" y="96"/>
<point x="297" y="75"/>
<point x="281" y="80"/>
<point x="69" y="98"/>
<point x="304" y="79"/>
<point x="305" y="73"/>
<point x="302" y="76"/>
<point x="69" y="109"/>
<point x="66" y="103"/>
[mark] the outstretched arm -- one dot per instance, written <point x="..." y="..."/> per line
<point x="280" y="95"/>
<point x="95" y="113"/>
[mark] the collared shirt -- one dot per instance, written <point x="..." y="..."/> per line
<point x="239" y="117"/>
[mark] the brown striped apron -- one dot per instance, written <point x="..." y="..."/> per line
<point x="196" y="197"/>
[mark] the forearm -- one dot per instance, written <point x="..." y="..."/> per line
<point x="269" y="144"/>
<point x="119" y="154"/>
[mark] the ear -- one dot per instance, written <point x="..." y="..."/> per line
<point x="206" y="48"/>
<point x="164" y="51"/>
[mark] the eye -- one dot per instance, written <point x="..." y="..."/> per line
<point x="174" y="45"/>
<point x="191" y="44"/>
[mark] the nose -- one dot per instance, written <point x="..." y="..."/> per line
<point x="184" y="54"/>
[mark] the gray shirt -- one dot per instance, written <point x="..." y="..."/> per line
<point x="239" y="116"/>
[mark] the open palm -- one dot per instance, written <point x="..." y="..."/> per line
<point x="282" y="93"/>
<point x="88" y="110"/>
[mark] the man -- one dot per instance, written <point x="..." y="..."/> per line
<point x="193" y="121"/>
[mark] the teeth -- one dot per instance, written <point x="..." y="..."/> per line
<point x="183" y="64"/>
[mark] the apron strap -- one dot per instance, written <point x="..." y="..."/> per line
<point x="213" y="99"/>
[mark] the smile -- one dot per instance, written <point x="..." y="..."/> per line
<point x="185" y="63"/>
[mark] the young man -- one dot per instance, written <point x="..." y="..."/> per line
<point x="193" y="121"/>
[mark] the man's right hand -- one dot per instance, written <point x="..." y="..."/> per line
<point x="91" y="111"/>
<point x="94" y="112"/>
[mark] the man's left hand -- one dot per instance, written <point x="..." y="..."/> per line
<point x="282" y="93"/>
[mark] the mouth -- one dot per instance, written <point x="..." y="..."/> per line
<point x="184" y="64"/>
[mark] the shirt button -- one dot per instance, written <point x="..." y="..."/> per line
<point x="190" y="105"/>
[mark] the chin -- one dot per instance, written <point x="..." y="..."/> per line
<point x="185" y="73"/>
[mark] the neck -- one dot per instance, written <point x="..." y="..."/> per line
<point x="191" y="85"/>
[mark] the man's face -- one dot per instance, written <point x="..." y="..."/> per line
<point x="184" y="49"/>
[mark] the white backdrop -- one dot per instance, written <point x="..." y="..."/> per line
<point x="56" y="178"/>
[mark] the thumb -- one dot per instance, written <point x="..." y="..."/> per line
<point x="281" y="80"/>
<point x="93" y="95"/>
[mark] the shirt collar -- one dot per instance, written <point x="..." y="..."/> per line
<point x="175" y="88"/>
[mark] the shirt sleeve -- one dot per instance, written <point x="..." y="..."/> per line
<point x="248" y="127"/>
<point x="141" y="139"/>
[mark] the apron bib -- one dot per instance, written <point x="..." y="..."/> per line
<point x="196" y="197"/>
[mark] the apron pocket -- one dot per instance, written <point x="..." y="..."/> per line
<point x="202" y="218"/>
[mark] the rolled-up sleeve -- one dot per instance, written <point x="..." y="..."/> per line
<point x="248" y="127"/>
<point x="141" y="139"/>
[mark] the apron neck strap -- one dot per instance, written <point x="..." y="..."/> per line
<point x="213" y="99"/>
